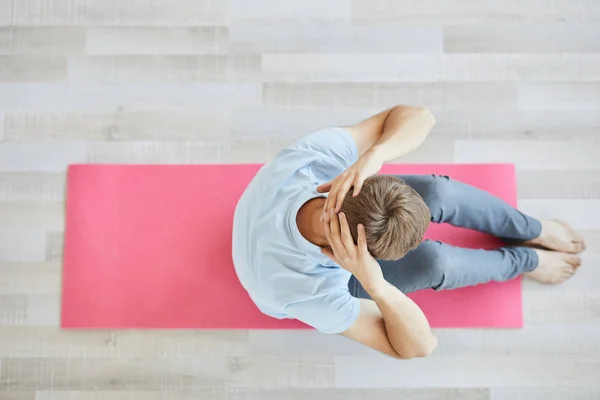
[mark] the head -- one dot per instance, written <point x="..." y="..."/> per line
<point x="395" y="217"/>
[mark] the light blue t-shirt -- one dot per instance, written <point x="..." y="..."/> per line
<point x="285" y="275"/>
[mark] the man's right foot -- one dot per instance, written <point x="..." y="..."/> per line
<point x="558" y="236"/>
<point x="554" y="267"/>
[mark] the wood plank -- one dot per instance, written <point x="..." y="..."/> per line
<point x="562" y="307"/>
<point x="157" y="69"/>
<point x="25" y="68"/>
<point x="532" y="341"/>
<point x="522" y="67"/>
<point x="44" y="157"/>
<point x="158" y="152"/>
<point x="458" y="12"/>
<point x="279" y="394"/>
<point x="30" y="310"/>
<point x="558" y="184"/>
<point x="2" y="120"/>
<point x="581" y="214"/>
<point x="466" y="371"/>
<point x="38" y="41"/>
<point x="531" y="155"/>
<point x="361" y="394"/>
<point x="141" y="394"/>
<point x="541" y="125"/>
<point x="437" y="96"/>
<point x="20" y="278"/>
<point x="122" y="125"/>
<point x="23" y="245"/>
<point x="522" y="38"/>
<point x="276" y="121"/>
<point x="526" y="393"/>
<point x="292" y="123"/>
<point x="32" y="186"/>
<point x="333" y="38"/>
<point x="267" y="11"/>
<point x="559" y="96"/>
<point x="351" y="67"/>
<point x="157" y="40"/>
<point x="54" y="246"/>
<point x="44" y="342"/>
<point x="33" y="215"/>
<point x="20" y="395"/>
<point x="297" y="343"/>
<point x="188" y="373"/>
<point x="116" y="13"/>
<point x="436" y="150"/>
<point x="116" y="98"/>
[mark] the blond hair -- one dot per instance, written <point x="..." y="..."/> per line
<point x="395" y="217"/>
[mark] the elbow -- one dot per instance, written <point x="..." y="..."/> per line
<point x="421" y="113"/>
<point x="418" y="350"/>
<point x="426" y="115"/>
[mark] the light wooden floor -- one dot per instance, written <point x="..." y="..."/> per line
<point x="203" y="81"/>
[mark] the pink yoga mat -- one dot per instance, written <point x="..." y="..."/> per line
<point x="149" y="246"/>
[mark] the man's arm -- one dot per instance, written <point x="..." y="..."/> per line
<point x="384" y="137"/>
<point x="392" y="323"/>
<point x="393" y="133"/>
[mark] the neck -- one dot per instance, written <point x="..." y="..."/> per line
<point x="309" y="222"/>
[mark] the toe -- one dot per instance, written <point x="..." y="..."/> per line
<point x="576" y="247"/>
<point x="570" y="247"/>
<point x="579" y="240"/>
<point x="572" y="260"/>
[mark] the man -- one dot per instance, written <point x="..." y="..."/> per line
<point x="343" y="262"/>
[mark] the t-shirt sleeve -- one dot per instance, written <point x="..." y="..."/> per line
<point x="331" y="313"/>
<point x="334" y="142"/>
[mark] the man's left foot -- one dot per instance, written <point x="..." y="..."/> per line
<point x="558" y="236"/>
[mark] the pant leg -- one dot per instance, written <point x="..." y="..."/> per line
<point x="466" y="206"/>
<point x="436" y="265"/>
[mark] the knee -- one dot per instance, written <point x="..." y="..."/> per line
<point x="431" y="263"/>
<point x="437" y="191"/>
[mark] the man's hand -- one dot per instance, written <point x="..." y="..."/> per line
<point x="367" y="165"/>
<point x="353" y="258"/>
<point x="384" y="137"/>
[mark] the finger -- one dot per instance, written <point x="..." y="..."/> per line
<point x="331" y="199"/>
<point x="358" y="184"/>
<point x="341" y="194"/>
<point x="362" y="238"/>
<point x="346" y="235"/>
<point x="325" y="215"/>
<point x="329" y="253"/>
<point x="331" y="240"/>
<point x="328" y="234"/>
<point x="324" y="188"/>
<point x="337" y="245"/>
<point x="334" y="225"/>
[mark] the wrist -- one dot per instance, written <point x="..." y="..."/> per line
<point x="375" y="286"/>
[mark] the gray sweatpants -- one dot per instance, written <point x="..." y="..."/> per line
<point x="436" y="265"/>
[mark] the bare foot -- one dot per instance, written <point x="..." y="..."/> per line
<point x="557" y="235"/>
<point x="554" y="267"/>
